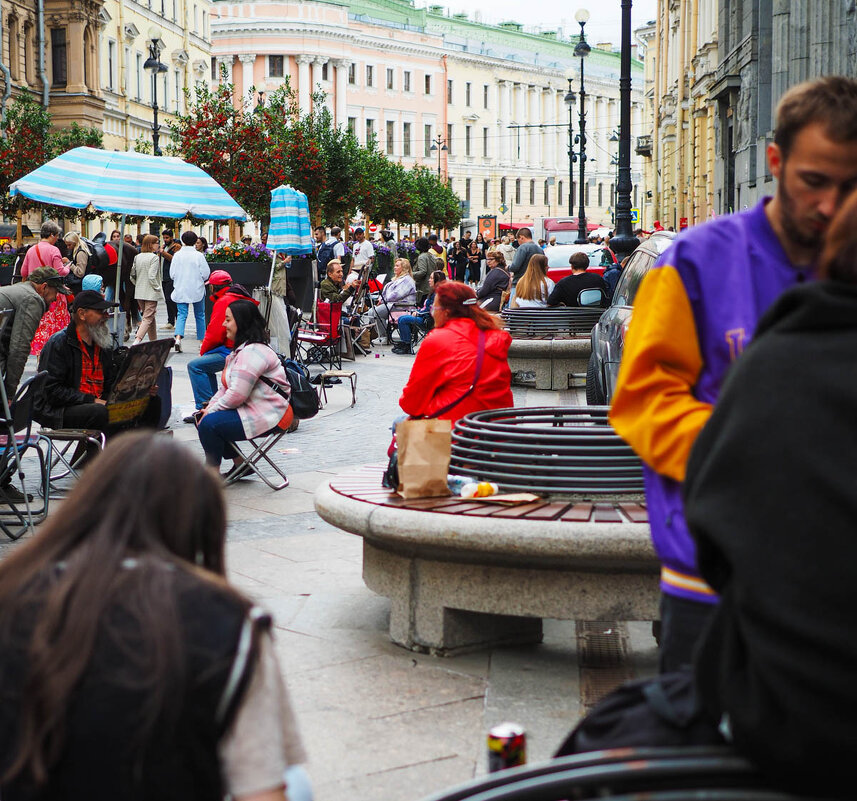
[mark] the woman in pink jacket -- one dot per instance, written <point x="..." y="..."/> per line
<point x="246" y="405"/>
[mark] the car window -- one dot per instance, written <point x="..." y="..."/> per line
<point x="595" y="257"/>
<point x="629" y="282"/>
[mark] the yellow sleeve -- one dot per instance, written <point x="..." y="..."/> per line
<point x="653" y="407"/>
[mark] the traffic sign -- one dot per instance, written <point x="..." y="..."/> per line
<point x="635" y="216"/>
<point x="373" y="227"/>
<point x="503" y="208"/>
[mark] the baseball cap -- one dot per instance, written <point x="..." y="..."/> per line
<point x="49" y="276"/>
<point x="358" y="231"/>
<point x="89" y="299"/>
<point x="219" y="277"/>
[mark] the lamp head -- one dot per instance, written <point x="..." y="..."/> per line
<point x="581" y="16"/>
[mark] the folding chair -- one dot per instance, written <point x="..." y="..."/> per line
<point x="321" y="343"/>
<point x="260" y="446"/>
<point x="16" y="423"/>
<point x="61" y="441"/>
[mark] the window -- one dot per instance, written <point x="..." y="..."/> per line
<point x="485" y="142"/>
<point x="29" y="56"/>
<point x="467" y="88"/>
<point x="370" y="75"/>
<point x="14" y="54"/>
<point x="406" y="139"/>
<point x="352" y="73"/>
<point x="428" y="84"/>
<point x="449" y="91"/>
<point x="213" y="68"/>
<point x="389" y="78"/>
<point x="370" y="131"/>
<point x="204" y="31"/>
<point x="196" y="18"/>
<point x="325" y="71"/>
<point x="502" y="190"/>
<point x="175" y="8"/>
<point x="586" y="194"/>
<point x="517" y="190"/>
<point x="58" y="57"/>
<point x="449" y="138"/>
<point x="391" y="137"/>
<point x="275" y="66"/>
<point x="352" y="125"/>
<point x="547" y="200"/>
<point x="600" y="194"/>
<point x="485" y="96"/>
<point x="559" y="193"/>
<point x="485" y="193"/>
<point x="468" y="129"/>
<point x="532" y="193"/>
<point x="427" y="137"/>
<point x="177" y="75"/>
<point x="111" y="64"/>
<point x="466" y="190"/>
<point x="139" y="76"/>
<point x="406" y="81"/>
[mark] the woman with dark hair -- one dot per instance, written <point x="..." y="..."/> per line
<point x="474" y="262"/>
<point x="246" y="405"/>
<point x="497" y="281"/>
<point x="130" y="667"/>
<point x="457" y="262"/>
<point x="445" y="369"/>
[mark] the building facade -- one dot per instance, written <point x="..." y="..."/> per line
<point x="443" y="91"/>
<point x="764" y="48"/>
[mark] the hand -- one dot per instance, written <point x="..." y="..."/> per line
<point x="153" y="391"/>
<point x="101" y="401"/>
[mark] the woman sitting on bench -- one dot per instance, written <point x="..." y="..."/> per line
<point x="247" y="404"/>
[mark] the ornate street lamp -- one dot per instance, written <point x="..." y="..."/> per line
<point x="153" y="64"/>
<point x="581" y="51"/>
<point x="438" y="144"/>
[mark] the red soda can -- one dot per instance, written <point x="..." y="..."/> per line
<point x="507" y="747"/>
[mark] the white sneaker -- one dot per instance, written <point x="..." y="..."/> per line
<point x="380" y="341"/>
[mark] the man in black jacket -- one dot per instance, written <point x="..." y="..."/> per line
<point x="566" y="292"/>
<point x="82" y="366"/>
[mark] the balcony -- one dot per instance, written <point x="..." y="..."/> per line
<point x="644" y="146"/>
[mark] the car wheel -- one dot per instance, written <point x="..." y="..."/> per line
<point x="594" y="392"/>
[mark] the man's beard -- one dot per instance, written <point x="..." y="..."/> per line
<point x="788" y="219"/>
<point x="100" y="334"/>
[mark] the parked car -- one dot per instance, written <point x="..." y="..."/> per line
<point x="558" y="256"/>
<point x="608" y="335"/>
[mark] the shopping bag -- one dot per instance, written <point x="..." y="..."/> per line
<point x="424" y="450"/>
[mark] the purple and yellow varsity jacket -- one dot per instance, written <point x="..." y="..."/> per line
<point x="695" y="312"/>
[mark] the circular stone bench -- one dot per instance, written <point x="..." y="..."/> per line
<point x="464" y="574"/>
<point x="549" y="363"/>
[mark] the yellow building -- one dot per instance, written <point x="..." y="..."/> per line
<point x="683" y="54"/>
<point x="182" y="29"/>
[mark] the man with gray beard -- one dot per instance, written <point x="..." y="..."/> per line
<point x="82" y="366"/>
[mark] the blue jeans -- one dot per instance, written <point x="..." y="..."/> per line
<point x="405" y="323"/>
<point x="202" y="372"/>
<point x="217" y="431"/>
<point x="198" y="313"/>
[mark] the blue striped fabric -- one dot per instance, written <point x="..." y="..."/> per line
<point x="128" y="183"/>
<point x="290" y="230"/>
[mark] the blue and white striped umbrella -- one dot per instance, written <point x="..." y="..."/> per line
<point x="290" y="230"/>
<point x="128" y="183"/>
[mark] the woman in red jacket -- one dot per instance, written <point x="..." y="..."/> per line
<point x="446" y="362"/>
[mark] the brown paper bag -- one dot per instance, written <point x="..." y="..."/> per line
<point x="424" y="448"/>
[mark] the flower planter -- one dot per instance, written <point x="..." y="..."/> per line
<point x="247" y="273"/>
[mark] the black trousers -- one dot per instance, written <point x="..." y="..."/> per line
<point x="95" y="416"/>
<point x="682" y="625"/>
<point x="172" y="309"/>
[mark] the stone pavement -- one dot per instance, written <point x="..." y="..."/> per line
<point x="380" y="722"/>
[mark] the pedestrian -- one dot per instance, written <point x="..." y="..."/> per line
<point x="146" y="277"/>
<point x="691" y="322"/>
<point x="189" y="271"/>
<point x="78" y="260"/>
<point x="567" y="290"/>
<point x="202" y="245"/>
<point x="506" y="248"/>
<point x="425" y="265"/>
<point x="127" y="300"/>
<point x="364" y="253"/>
<point x="166" y="252"/>
<point x="474" y="262"/>
<point x="526" y="249"/>
<point x="131" y="667"/>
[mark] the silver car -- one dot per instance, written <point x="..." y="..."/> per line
<point x="608" y="336"/>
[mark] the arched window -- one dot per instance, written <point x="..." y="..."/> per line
<point x="14" y="48"/>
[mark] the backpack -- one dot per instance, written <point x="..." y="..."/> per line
<point x="323" y="256"/>
<point x="97" y="261"/>
<point x="303" y="398"/>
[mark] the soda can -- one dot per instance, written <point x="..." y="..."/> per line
<point x="507" y="747"/>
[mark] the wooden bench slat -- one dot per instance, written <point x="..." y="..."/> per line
<point x="519" y="511"/>
<point x="579" y="513"/>
<point x="605" y="514"/>
<point x="634" y="512"/>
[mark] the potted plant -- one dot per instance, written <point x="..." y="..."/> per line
<point x="248" y="266"/>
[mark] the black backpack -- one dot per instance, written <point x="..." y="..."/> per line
<point x="323" y="256"/>
<point x="303" y="398"/>
<point x="98" y="261"/>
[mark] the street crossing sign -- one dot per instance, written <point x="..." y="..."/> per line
<point x="635" y="216"/>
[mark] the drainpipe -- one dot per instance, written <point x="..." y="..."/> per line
<point x="46" y="89"/>
<point x="8" y="78"/>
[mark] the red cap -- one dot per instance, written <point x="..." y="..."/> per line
<point x="111" y="253"/>
<point x="219" y="277"/>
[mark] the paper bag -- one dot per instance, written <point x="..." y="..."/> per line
<point x="424" y="448"/>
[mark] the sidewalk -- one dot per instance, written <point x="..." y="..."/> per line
<point x="380" y="722"/>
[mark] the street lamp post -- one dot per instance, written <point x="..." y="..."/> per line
<point x="153" y="64"/>
<point x="438" y="144"/>
<point x="581" y="51"/>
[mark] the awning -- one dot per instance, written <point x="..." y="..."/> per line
<point x="128" y="183"/>
<point x="514" y="226"/>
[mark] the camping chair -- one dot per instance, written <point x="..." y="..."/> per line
<point x="16" y="439"/>
<point x="258" y="449"/>
<point x="61" y="464"/>
<point x="321" y="342"/>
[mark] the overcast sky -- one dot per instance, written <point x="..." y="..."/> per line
<point x="605" y="16"/>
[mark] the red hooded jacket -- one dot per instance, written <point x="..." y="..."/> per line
<point x="445" y="367"/>
<point x="215" y="334"/>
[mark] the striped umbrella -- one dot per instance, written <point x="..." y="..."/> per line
<point x="128" y="183"/>
<point x="290" y="230"/>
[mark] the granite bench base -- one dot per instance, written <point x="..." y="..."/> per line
<point x="549" y="363"/>
<point x="466" y="578"/>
